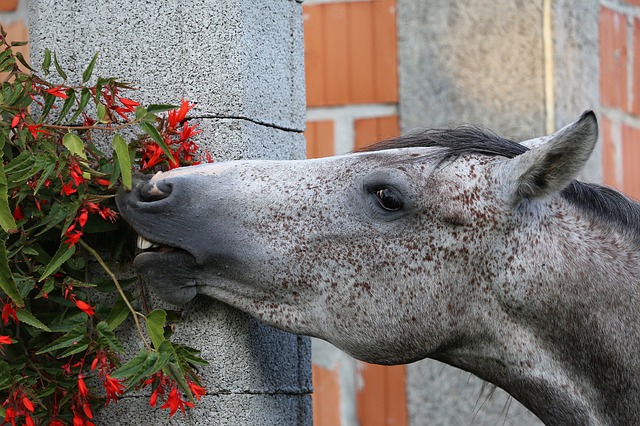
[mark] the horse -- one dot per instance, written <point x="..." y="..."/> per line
<point x="453" y="244"/>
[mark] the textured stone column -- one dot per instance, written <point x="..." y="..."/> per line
<point x="242" y="62"/>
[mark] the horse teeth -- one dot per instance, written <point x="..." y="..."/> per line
<point x="144" y="244"/>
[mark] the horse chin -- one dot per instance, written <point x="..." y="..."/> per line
<point x="169" y="273"/>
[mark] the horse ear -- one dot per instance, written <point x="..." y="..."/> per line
<point x="550" y="166"/>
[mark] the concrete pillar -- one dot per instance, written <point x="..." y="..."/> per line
<point x="242" y="62"/>
<point x="520" y="68"/>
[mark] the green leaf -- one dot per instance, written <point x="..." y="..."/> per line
<point x="102" y="113"/>
<point x="74" y="144"/>
<point x="189" y="355"/>
<point x="78" y="346"/>
<point x="23" y="61"/>
<point x="46" y="63"/>
<point x="71" y="338"/>
<point x="27" y="317"/>
<point x="156" y="108"/>
<point x="62" y="255"/>
<point x="6" y="377"/>
<point x="66" y="107"/>
<point x="155" y="326"/>
<point x="7" y="283"/>
<point x="84" y="100"/>
<point x="119" y="312"/>
<point x="176" y="373"/>
<point x="155" y="135"/>
<point x="19" y="43"/>
<point x="86" y="75"/>
<point x="49" y="100"/>
<point x="107" y="338"/>
<point x="124" y="160"/>
<point x="6" y="217"/>
<point x="143" y="365"/>
<point x="58" y="67"/>
<point x="133" y="365"/>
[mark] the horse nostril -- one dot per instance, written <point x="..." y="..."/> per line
<point x="154" y="191"/>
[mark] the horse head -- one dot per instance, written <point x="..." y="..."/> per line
<point x="457" y="245"/>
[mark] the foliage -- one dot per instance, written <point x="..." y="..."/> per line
<point x="59" y="348"/>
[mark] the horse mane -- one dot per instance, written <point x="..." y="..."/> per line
<point x="602" y="203"/>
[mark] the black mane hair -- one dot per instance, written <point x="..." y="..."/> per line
<point x="599" y="201"/>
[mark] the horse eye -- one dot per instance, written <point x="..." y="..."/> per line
<point x="388" y="199"/>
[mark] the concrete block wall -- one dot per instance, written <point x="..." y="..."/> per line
<point x="242" y="63"/>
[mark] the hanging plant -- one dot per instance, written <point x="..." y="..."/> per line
<point x="59" y="349"/>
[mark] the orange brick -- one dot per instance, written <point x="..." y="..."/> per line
<point x="370" y="130"/>
<point x="635" y="107"/>
<point x="382" y="400"/>
<point x="351" y="53"/>
<point x="630" y="158"/>
<point x="361" y="53"/>
<point x="385" y="67"/>
<point x="633" y="2"/>
<point x="336" y="53"/>
<point x="320" y="140"/>
<point x="8" y="5"/>
<point x="326" y="397"/>
<point x="613" y="58"/>
<point x="313" y="18"/>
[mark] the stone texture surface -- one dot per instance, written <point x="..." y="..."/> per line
<point x="222" y="409"/>
<point x="229" y="56"/>
<point x="469" y="61"/>
<point x="483" y="62"/>
<point x="576" y="70"/>
<point x="242" y="62"/>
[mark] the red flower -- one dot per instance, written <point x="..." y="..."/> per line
<point x="175" y="401"/>
<point x="83" y="217"/>
<point x="176" y="117"/>
<point x="197" y="390"/>
<point x="56" y="422"/>
<point x="91" y="206"/>
<point x="114" y="387"/>
<point x="6" y="340"/>
<point x="82" y="387"/>
<point x="73" y="235"/>
<point x="189" y="131"/>
<point x="102" y="182"/>
<point x="76" y="173"/>
<point x="16" y="119"/>
<point x="17" y="213"/>
<point x="107" y="214"/>
<point x="58" y="92"/>
<point x="10" y="416"/>
<point x="87" y="309"/>
<point x="27" y="404"/>
<point x="8" y="312"/>
<point x="28" y="421"/>
<point x="129" y="104"/>
<point x="68" y="189"/>
<point x="151" y="155"/>
<point x="34" y="129"/>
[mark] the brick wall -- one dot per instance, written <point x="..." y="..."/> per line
<point x="619" y="39"/>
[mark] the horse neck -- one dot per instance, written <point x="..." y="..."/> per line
<point x="567" y="343"/>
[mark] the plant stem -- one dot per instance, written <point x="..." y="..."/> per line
<point x="117" y="284"/>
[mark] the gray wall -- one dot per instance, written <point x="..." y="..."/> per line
<point x="242" y="62"/>
<point x="484" y="62"/>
